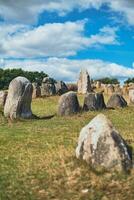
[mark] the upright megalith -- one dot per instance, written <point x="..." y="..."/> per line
<point x="131" y="96"/>
<point x="116" y="101"/>
<point x="61" y="87"/>
<point x="101" y="146"/>
<point x="84" y="83"/>
<point x="48" y="87"/>
<point x="68" y="104"/>
<point x="36" y="90"/>
<point x="18" y="102"/>
<point x="94" y="101"/>
<point x="3" y="96"/>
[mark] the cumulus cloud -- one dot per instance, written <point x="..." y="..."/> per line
<point x="56" y="39"/>
<point x="68" y="70"/>
<point x="28" y="11"/>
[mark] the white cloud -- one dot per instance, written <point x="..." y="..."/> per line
<point x="68" y="70"/>
<point x="28" y="11"/>
<point x="56" y="39"/>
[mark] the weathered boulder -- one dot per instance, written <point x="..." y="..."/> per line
<point x="131" y="96"/>
<point x="98" y="85"/>
<point x="61" y="87"/>
<point x="116" y="101"/>
<point x="101" y="146"/>
<point x="68" y="104"/>
<point x="110" y="89"/>
<point x="94" y="101"/>
<point x="125" y="90"/>
<point x="3" y="96"/>
<point x="48" y="87"/>
<point x="117" y="89"/>
<point x="84" y="84"/>
<point x="36" y="90"/>
<point x="18" y="102"/>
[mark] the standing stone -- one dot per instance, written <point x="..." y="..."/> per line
<point x="61" y="87"/>
<point x="3" y="96"/>
<point x="117" y="89"/>
<point x="131" y="96"/>
<point x="125" y="90"/>
<point x="110" y="89"/>
<point x="101" y="146"/>
<point x="116" y="101"/>
<point x="84" y="84"/>
<point x="68" y="104"/>
<point x="18" y="102"/>
<point x="98" y="85"/>
<point x="36" y="91"/>
<point x="48" y="87"/>
<point x="94" y="101"/>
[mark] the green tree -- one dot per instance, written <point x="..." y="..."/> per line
<point x="7" y="75"/>
<point x="108" y="80"/>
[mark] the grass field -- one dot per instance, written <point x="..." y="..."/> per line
<point x="37" y="157"/>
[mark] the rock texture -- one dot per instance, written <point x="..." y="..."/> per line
<point x="94" y="101"/>
<point x="48" y="87"/>
<point x="3" y="96"/>
<point x="101" y="146"/>
<point x="68" y="104"/>
<point x="36" y="91"/>
<point x="131" y="96"/>
<point x="18" y="102"/>
<point x="61" y="87"/>
<point x="116" y="101"/>
<point x="84" y="84"/>
<point x="110" y="89"/>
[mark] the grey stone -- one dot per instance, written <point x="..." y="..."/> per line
<point x="68" y="104"/>
<point x="48" y="87"/>
<point x="94" y="101"/>
<point x="110" y="89"/>
<point x="116" y="101"/>
<point x="61" y="87"/>
<point x="18" y="102"/>
<point x="84" y="83"/>
<point x="131" y="96"/>
<point x="36" y="90"/>
<point x="3" y="96"/>
<point x="101" y="146"/>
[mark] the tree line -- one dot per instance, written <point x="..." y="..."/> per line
<point x="6" y="76"/>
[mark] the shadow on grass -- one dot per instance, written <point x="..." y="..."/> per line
<point x="43" y="117"/>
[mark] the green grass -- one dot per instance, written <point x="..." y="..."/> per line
<point x="37" y="157"/>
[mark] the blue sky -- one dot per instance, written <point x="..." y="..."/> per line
<point x="60" y="37"/>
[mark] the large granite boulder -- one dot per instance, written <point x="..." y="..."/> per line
<point x="48" y="87"/>
<point x="18" y="102"/>
<point x="101" y="146"/>
<point x="84" y="83"/>
<point x="61" y="87"/>
<point x="68" y="104"/>
<point x="3" y="96"/>
<point x="94" y="101"/>
<point x="116" y="101"/>
<point x="36" y="91"/>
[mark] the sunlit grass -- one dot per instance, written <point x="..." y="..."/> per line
<point x="37" y="157"/>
